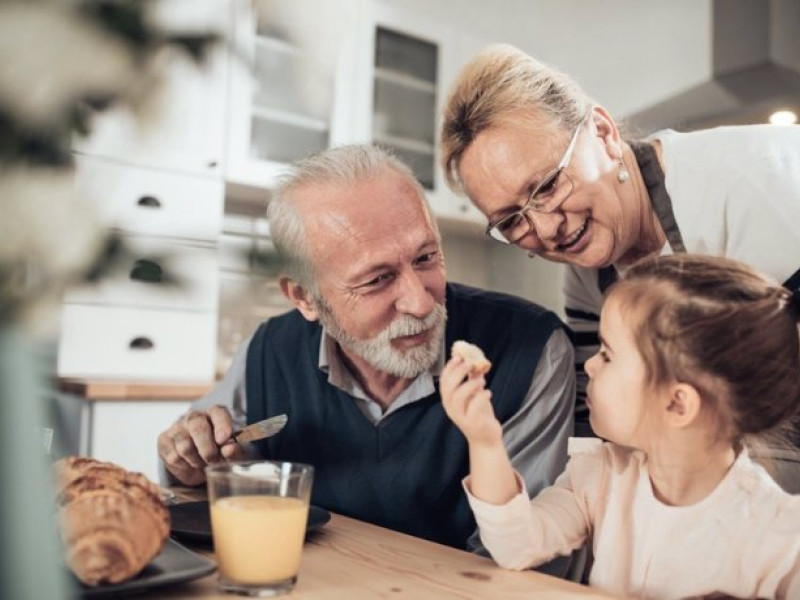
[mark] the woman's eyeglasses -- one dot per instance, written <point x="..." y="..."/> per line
<point x="546" y="197"/>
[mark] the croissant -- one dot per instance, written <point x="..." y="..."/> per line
<point x="112" y="521"/>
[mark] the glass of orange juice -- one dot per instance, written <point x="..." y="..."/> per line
<point x="258" y="522"/>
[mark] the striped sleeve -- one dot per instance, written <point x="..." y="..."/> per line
<point x="583" y="301"/>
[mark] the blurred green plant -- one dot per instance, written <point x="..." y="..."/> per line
<point x="62" y="62"/>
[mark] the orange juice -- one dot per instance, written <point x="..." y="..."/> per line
<point x="258" y="539"/>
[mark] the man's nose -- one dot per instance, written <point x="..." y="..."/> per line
<point x="545" y="225"/>
<point x="414" y="298"/>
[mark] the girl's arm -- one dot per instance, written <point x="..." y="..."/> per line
<point x="468" y="404"/>
<point x="517" y="532"/>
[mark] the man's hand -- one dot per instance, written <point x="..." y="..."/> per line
<point x="198" y="439"/>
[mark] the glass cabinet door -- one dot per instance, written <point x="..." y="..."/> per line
<point x="283" y="125"/>
<point x="408" y="65"/>
<point x="404" y="99"/>
<point x="280" y="100"/>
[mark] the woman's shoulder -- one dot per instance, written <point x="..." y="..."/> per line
<point x="728" y="153"/>
<point x="760" y="136"/>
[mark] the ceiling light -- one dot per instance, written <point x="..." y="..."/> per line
<point x="783" y="117"/>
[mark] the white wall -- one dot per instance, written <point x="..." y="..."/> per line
<point x="625" y="53"/>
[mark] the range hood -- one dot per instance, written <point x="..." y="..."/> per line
<point x="756" y="70"/>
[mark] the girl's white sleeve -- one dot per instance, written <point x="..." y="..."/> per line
<point x="526" y="533"/>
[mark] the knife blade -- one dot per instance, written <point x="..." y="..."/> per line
<point x="259" y="430"/>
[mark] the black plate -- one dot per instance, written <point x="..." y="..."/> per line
<point x="191" y="521"/>
<point x="174" y="564"/>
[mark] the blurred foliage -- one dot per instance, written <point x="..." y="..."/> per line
<point x="45" y="98"/>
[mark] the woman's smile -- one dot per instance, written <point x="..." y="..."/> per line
<point x="571" y="242"/>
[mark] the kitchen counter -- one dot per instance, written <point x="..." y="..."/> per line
<point x="94" y="390"/>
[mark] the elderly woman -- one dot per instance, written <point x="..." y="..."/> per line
<point x="549" y="169"/>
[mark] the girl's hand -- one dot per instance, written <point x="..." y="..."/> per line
<point x="468" y="404"/>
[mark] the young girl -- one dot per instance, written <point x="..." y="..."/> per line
<point x="696" y="355"/>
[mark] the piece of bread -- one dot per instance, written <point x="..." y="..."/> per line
<point x="112" y="521"/>
<point x="473" y="355"/>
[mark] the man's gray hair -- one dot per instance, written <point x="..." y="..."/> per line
<point x="343" y="165"/>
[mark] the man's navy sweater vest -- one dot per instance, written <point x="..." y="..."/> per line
<point x="405" y="473"/>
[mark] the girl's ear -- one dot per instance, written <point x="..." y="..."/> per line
<point x="299" y="297"/>
<point x="683" y="405"/>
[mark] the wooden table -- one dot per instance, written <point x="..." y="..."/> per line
<point x="346" y="559"/>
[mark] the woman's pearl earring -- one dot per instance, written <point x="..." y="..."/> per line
<point x="623" y="174"/>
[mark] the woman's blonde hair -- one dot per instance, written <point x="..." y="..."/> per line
<point x="722" y="327"/>
<point x="497" y="83"/>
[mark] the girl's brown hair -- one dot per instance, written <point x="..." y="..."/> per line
<point x="722" y="327"/>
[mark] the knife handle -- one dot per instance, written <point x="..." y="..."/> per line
<point x="233" y="439"/>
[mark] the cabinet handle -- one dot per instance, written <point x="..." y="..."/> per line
<point x="149" y="202"/>
<point x="147" y="271"/>
<point x="141" y="343"/>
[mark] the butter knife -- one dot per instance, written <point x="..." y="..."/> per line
<point x="259" y="430"/>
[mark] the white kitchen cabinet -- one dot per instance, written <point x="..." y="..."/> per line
<point x="120" y="421"/>
<point x="157" y="273"/>
<point x="384" y="84"/>
<point x="137" y="344"/>
<point x="159" y="184"/>
<point x="285" y="96"/>
<point x="184" y="126"/>
<point x="126" y="432"/>
<point x="154" y="316"/>
<point x="152" y="202"/>
<point x="405" y="69"/>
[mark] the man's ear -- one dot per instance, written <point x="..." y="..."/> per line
<point x="299" y="297"/>
<point x="683" y="405"/>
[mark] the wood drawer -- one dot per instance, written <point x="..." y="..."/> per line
<point x="189" y="278"/>
<point x="152" y="202"/>
<point x="137" y="344"/>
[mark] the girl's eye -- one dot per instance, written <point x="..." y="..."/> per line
<point x="604" y="356"/>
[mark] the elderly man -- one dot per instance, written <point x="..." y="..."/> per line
<point x="355" y="366"/>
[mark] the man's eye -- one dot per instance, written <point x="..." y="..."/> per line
<point x="376" y="281"/>
<point x="426" y="258"/>
<point x="604" y="356"/>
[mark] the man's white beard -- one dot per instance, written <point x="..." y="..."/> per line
<point x="378" y="350"/>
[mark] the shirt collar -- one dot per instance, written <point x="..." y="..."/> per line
<point x="339" y="375"/>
